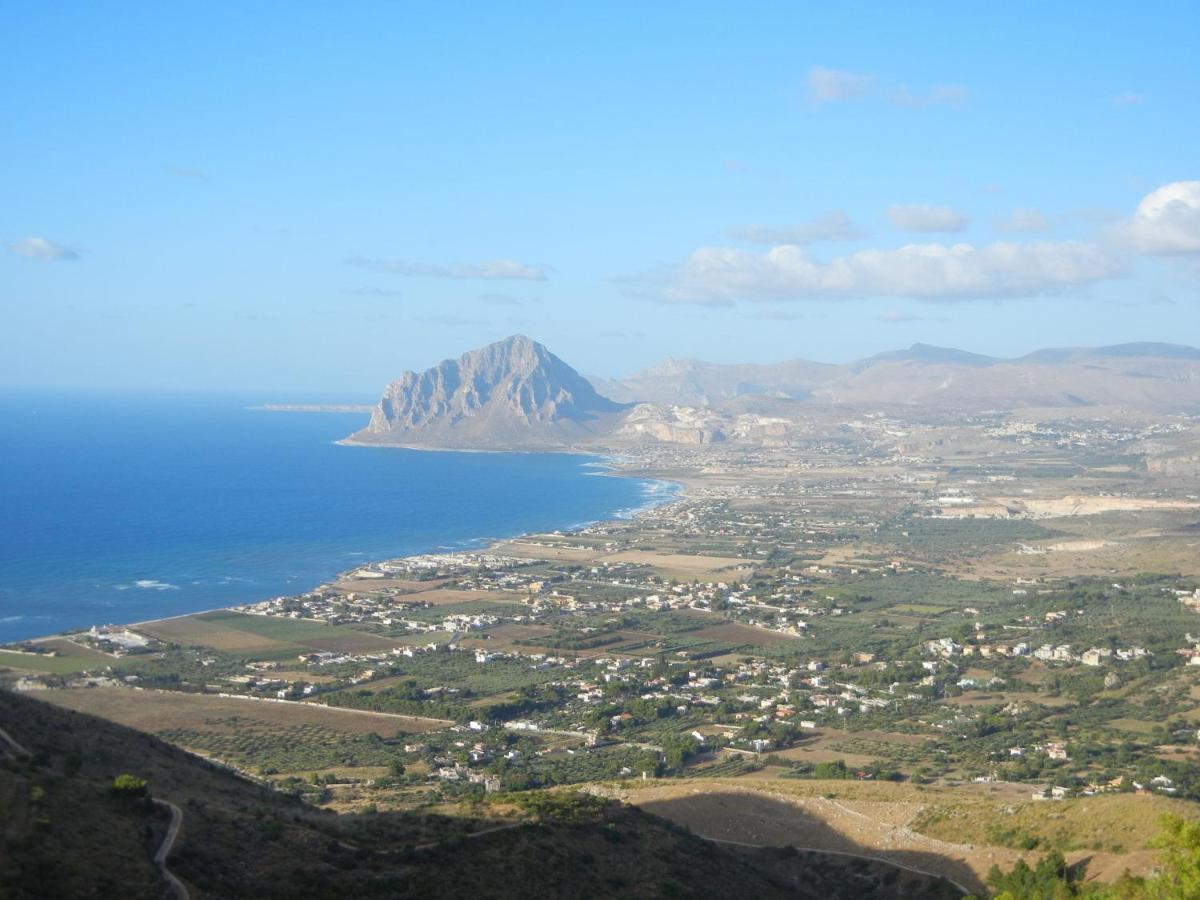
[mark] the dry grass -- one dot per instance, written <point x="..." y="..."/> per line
<point x="193" y="631"/>
<point x="1125" y="821"/>
<point x="528" y="550"/>
<point x="733" y="633"/>
<point x="722" y="568"/>
<point x="944" y="829"/>
<point x="448" y="596"/>
<point x="160" y="710"/>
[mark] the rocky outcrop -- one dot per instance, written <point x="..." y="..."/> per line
<point x="511" y="394"/>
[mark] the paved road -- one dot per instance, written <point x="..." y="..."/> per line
<point x="178" y="888"/>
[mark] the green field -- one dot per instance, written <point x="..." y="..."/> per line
<point x="263" y="637"/>
<point x="52" y="665"/>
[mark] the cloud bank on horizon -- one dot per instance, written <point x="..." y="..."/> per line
<point x="1165" y="223"/>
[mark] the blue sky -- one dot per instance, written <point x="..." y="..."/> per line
<point x="295" y="198"/>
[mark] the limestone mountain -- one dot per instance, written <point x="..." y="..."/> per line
<point x="511" y="394"/>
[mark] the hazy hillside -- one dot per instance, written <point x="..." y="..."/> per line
<point x="1147" y="375"/>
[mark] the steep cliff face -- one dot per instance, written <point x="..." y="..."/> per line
<point x="513" y="393"/>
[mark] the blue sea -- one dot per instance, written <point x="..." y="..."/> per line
<point x="124" y="507"/>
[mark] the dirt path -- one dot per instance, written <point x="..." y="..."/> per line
<point x="178" y="888"/>
<point x="474" y="834"/>
<point x="14" y="748"/>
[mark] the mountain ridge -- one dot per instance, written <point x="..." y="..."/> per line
<point x="514" y="391"/>
<point x="515" y="394"/>
<point x="924" y="373"/>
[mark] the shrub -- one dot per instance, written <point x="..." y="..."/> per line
<point x="129" y="786"/>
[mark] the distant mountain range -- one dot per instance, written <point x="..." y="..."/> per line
<point x="516" y="394"/>
<point x="1148" y="375"/>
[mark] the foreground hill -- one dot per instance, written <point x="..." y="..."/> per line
<point x="65" y="833"/>
<point x="514" y="393"/>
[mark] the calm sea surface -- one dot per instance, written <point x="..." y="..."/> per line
<point x="121" y="507"/>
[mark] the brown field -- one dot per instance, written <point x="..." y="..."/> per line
<point x="382" y="684"/>
<point x="685" y="564"/>
<point x="367" y="585"/>
<point x="504" y="637"/>
<point x="819" y="748"/>
<point x="158" y="710"/>
<point x="820" y="752"/>
<point x="192" y="631"/>
<point x="1136" y="552"/>
<point x="343" y="640"/>
<point x="447" y="596"/>
<point x="527" y="550"/>
<point x="233" y="632"/>
<point x="733" y="633"/>
<point x="302" y="675"/>
<point x="1079" y="505"/>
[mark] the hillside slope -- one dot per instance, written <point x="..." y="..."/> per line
<point x="63" y="833"/>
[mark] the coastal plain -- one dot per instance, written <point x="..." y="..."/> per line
<point x="938" y="647"/>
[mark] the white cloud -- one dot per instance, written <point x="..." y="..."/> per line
<point x="1128" y="98"/>
<point x="834" y="85"/>
<point x="40" y="248"/>
<point x="920" y="271"/>
<point x="184" y="172"/>
<point x="920" y="217"/>
<point x="491" y="270"/>
<point x="1024" y="219"/>
<point x="834" y="225"/>
<point x="952" y="95"/>
<point x="1166" y="222"/>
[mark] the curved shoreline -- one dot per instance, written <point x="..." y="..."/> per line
<point x="606" y="465"/>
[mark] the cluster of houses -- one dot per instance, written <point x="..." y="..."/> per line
<point x="1093" y="656"/>
<point x="117" y="640"/>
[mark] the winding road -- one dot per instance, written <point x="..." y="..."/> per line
<point x="178" y="888"/>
